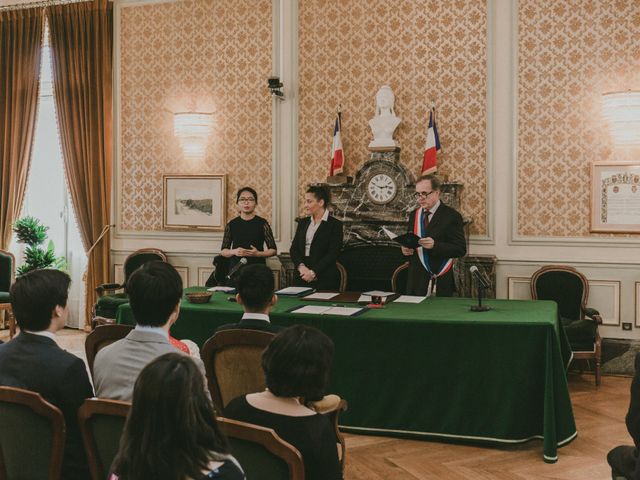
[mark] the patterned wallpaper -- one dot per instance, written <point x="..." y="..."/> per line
<point x="208" y="55"/>
<point x="423" y="49"/>
<point x="570" y="52"/>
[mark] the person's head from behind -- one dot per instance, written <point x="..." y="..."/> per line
<point x="297" y="363"/>
<point x="39" y="300"/>
<point x="154" y="292"/>
<point x="171" y="431"/>
<point x="317" y="199"/>
<point x="255" y="286"/>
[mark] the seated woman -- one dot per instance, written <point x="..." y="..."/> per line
<point x="296" y="366"/>
<point x="247" y="234"/>
<point x="171" y="431"/>
<point x="317" y="243"/>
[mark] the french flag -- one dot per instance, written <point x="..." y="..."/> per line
<point x="432" y="146"/>
<point x="337" y="155"/>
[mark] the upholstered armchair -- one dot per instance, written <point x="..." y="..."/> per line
<point x="570" y="290"/>
<point x="7" y="272"/>
<point x="108" y="297"/>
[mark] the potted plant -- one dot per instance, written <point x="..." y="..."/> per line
<point x="31" y="232"/>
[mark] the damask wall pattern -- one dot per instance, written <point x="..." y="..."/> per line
<point x="203" y="55"/>
<point x="425" y="50"/>
<point x="570" y="52"/>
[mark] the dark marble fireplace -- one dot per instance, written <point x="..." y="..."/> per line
<point x="381" y="195"/>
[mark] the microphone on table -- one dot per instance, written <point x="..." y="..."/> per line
<point x="483" y="283"/>
<point x="236" y="267"/>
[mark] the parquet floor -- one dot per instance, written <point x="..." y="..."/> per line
<point x="599" y="415"/>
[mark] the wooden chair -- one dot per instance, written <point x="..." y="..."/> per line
<point x="32" y="433"/>
<point x="104" y="311"/>
<point x="232" y="360"/>
<point x="399" y="278"/>
<point x="233" y="363"/>
<point x="343" y="277"/>
<point x="7" y="274"/>
<point x="570" y="290"/>
<point x="261" y="452"/>
<point x="101" y="424"/>
<point x="101" y="337"/>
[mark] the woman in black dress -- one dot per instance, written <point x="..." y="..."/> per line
<point x="246" y="235"/>
<point x="296" y="366"/>
<point x="317" y="243"/>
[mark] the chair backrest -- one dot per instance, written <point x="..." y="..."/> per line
<point x="261" y="452"/>
<point x="32" y="433"/>
<point x="233" y="362"/>
<point x="138" y="258"/>
<point x="101" y="337"/>
<point x="343" y="277"/>
<point x="101" y="424"/>
<point x="7" y="270"/>
<point x="564" y="285"/>
<point x="399" y="279"/>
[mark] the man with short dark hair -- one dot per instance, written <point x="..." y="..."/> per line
<point x="441" y="232"/>
<point x="154" y="293"/>
<point x="35" y="362"/>
<point x="255" y="287"/>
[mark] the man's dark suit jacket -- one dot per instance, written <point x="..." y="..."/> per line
<point x="251" y="324"/>
<point x="325" y="247"/>
<point x="447" y="230"/>
<point x="37" y="363"/>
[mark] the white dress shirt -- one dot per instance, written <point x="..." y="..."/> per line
<point x="433" y="210"/>
<point x="43" y="333"/>
<point x="158" y="330"/>
<point x="256" y="316"/>
<point x="311" y="232"/>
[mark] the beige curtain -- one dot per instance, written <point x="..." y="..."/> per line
<point x="20" y="47"/>
<point x="81" y="55"/>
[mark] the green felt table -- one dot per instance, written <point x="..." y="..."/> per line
<point x="434" y="369"/>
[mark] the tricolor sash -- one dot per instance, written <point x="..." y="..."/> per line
<point x="423" y="254"/>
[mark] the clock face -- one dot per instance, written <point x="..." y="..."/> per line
<point x="381" y="188"/>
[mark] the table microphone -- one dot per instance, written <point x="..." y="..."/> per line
<point x="482" y="284"/>
<point x="236" y="267"/>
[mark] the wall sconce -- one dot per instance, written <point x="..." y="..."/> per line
<point x="192" y="130"/>
<point x="622" y="110"/>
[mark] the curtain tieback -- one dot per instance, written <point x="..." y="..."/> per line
<point x="102" y="234"/>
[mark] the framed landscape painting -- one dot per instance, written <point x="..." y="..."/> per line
<point x="194" y="202"/>
<point x="615" y="197"/>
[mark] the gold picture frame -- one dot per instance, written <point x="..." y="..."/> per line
<point x="615" y="197"/>
<point x="194" y="202"/>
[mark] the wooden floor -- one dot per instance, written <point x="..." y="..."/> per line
<point x="599" y="415"/>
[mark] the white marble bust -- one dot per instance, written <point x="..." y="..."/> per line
<point x="385" y="122"/>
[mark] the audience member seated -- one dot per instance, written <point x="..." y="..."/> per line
<point x="171" y="431"/>
<point x="296" y="366"/>
<point x="35" y="362"/>
<point x="255" y="287"/>
<point x="154" y="293"/>
<point x="624" y="458"/>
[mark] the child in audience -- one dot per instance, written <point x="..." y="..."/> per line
<point x="171" y="431"/>
<point x="296" y="366"/>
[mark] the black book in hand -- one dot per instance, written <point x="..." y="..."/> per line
<point x="409" y="240"/>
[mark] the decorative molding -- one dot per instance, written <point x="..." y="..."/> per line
<point x="184" y="274"/>
<point x="515" y="285"/>
<point x="536" y="263"/>
<point x="118" y="273"/>
<point x="610" y="315"/>
<point x="637" y="302"/>
<point x="203" y="275"/>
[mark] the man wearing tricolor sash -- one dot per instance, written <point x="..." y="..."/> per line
<point x="441" y="233"/>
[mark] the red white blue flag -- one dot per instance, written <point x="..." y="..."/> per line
<point x="432" y="145"/>
<point x="337" y="154"/>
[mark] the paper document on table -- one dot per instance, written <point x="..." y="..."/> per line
<point x="222" y="289"/>
<point x="378" y="293"/>
<point x="364" y="299"/>
<point x="342" y="311"/>
<point x="313" y="309"/>
<point x="409" y="299"/>
<point x="294" y="290"/>
<point x="321" y="296"/>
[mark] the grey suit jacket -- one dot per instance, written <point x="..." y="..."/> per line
<point x="117" y="366"/>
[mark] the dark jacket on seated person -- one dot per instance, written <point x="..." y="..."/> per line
<point x="252" y="321"/>
<point x="35" y="362"/>
<point x="312" y="435"/>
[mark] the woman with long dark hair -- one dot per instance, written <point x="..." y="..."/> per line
<point x="171" y="431"/>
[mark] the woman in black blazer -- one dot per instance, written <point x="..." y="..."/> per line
<point x="317" y="243"/>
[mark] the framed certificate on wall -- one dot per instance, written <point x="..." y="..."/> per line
<point x="194" y="202"/>
<point x="615" y="197"/>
